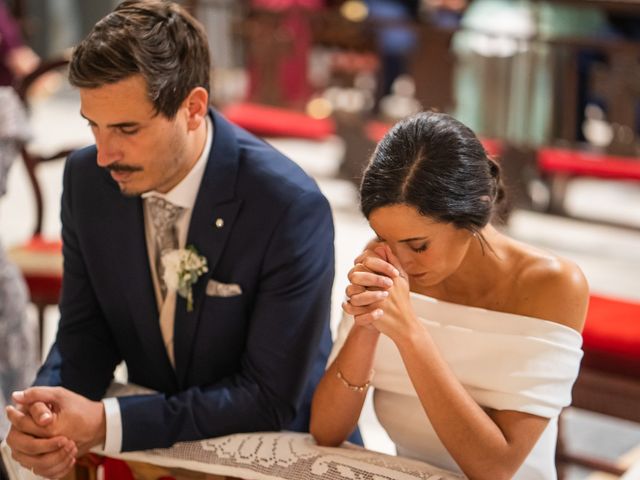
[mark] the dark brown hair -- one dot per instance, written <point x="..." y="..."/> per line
<point x="436" y="164"/>
<point x="156" y="39"/>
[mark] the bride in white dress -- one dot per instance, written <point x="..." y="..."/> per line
<point x="470" y="338"/>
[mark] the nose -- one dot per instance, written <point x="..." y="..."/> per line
<point x="108" y="150"/>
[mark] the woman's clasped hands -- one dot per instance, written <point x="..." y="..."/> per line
<point x="378" y="292"/>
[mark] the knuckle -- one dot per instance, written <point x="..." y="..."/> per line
<point x="360" y="266"/>
<point x="18" y="422"/>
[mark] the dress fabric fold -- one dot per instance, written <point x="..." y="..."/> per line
<point x="504" y="361"/>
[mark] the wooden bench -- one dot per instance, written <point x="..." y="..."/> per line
<point x="268" y="121"/>
<point x="609" y="379"/>
<point x="559" y="165"/>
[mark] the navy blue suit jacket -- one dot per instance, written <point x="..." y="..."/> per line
<point x="243" y="363"/>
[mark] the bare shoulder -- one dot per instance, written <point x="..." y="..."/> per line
<point x="550" y="287"/>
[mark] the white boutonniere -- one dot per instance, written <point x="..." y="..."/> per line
<point x="182" y="268"/>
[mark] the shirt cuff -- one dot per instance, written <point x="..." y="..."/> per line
<point x="113" y="437"/>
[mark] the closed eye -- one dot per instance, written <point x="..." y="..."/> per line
<point x="129" y="130"/>
<point x="419" y="248"/>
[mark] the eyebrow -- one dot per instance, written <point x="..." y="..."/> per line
<point x="113" y="125"/>
<point x="406" y="240"/>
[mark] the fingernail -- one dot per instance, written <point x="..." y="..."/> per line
<point x="377" y="313"/>
<point x="383" y="293"/>
<point x="396" y="272"/>
<point x="18" y="395"/>
<point x="45" y="416"/>
<point x="387" y="282"/>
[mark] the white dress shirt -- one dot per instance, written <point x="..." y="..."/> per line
<point x="183" y="195"/>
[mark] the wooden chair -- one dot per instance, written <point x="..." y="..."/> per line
<point x="609" y="379"/>
<point x="40" y="260"/>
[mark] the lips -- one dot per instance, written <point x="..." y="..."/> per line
<point x="121" y="176"/>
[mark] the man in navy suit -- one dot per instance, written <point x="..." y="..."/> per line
<point x="240" y="349"/>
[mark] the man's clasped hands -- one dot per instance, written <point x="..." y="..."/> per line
<point x="51" y="427"/>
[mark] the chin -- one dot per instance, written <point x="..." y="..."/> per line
<point x="130" y="191"/>
<point x="426" y="280"/>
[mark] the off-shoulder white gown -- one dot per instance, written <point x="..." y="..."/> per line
<point x="504" y="361"/>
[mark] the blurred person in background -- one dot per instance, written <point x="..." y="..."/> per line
<point x="16" y="59"/>
<point x="443" y="13"/>
<point x="396" y="39"/>
<point x="18" y="331"/>
<point x="17" y="334"/>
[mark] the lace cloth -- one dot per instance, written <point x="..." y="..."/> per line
<point x="273" y="456"/>
<point x="265" y="456"/>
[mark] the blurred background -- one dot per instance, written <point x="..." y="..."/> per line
<point x="552" y="88"/>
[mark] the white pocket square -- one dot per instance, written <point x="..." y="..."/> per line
<point x="219" y="289"/>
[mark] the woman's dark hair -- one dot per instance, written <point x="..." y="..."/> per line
<point x="436" y="164"/>
<point x="156" y="39"/>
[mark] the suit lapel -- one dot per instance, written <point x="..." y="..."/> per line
<point x="212" y="219"/>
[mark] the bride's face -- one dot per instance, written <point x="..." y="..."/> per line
<point x="429" y="251"/>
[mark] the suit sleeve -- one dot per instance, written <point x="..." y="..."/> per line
<point x="84" y="355"/>
<point x="287" y="321"/>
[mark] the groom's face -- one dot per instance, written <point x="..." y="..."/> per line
<point x="143" y="150"/>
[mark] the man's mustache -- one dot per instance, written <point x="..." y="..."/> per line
<point x="123" y="168"/>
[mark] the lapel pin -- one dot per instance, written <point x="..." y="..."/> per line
<point x="219" y="223"/>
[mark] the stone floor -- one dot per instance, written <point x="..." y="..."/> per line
<point x="610" y="257"/>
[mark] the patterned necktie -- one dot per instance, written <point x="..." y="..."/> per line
<point x="164" y="216"/>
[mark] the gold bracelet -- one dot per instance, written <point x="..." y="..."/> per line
<point x="351" y="386"/>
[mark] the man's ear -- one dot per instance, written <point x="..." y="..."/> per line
<point x="197" y="105"/>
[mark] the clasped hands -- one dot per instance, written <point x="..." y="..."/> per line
<point x="378" y="292"/>
<point x="51" y="427"/>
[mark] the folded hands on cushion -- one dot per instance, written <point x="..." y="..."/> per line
<point x="51" y="427"/>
